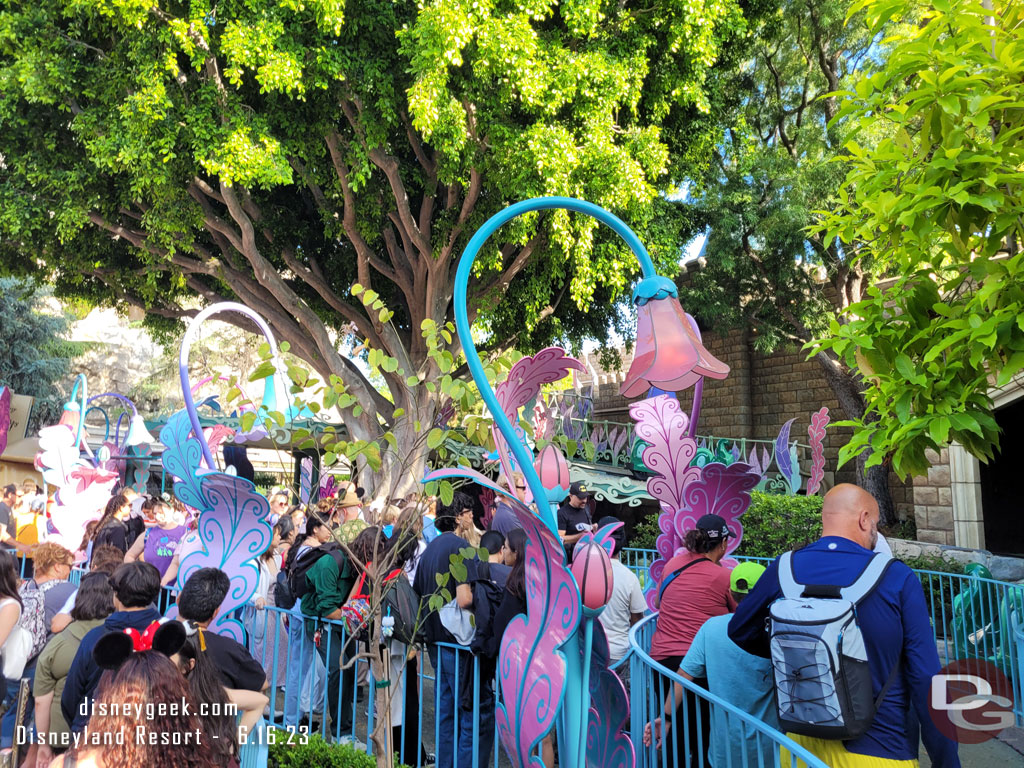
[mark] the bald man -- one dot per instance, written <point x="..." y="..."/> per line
<point x="896" y="628"/>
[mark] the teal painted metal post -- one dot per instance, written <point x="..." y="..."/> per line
<point x="575" y="702"/>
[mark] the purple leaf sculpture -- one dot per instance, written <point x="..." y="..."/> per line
<point x="5" y="417"/>
<point x="523" y="385"/>
<point x="531" y="663"/>
<point x="722" y="490"/>
<point x="783" y="455"/>
<point x="232" y="522"/>
<point x="816" y="432"/>
<point x="234" y="532"/>
<point x="663" y="426"/>
<point x="305" y="479"/>
<point x="607" y="742"/>
<point x="445" y="413"/>
<point x="617" y="441"/>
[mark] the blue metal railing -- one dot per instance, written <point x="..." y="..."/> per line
<point x="748" y="741"/>
<point x="971" y="617"/>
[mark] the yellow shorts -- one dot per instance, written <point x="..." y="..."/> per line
<point x="834" y="755"/>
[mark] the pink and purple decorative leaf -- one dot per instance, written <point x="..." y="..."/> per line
<point x="531" y="664"/>
<point x="783" y="456"/>
<point x="608" y="745"/>
<point x="722" y="490"/>
<point x="523" y="384"/>
<point x="670" y="450"/>
<point x="234" y="532"/>
<point x="5" y="416"/>
<point x="816" y="432"/>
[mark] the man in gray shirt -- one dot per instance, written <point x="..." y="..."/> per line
<point x="505" y="519"/>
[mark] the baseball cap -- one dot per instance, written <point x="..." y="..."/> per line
<point x="579" y="490"/>
<point x="714" y="526"/>
<point x="744" y="576"/>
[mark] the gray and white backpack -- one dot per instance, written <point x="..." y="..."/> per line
<point x="822" y="678"/>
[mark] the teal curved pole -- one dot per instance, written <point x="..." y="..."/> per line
<point x="79" y="381"/>
<point x="575" y="704"/>
<point x="650" y="287"/>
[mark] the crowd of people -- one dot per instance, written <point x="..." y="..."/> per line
<point x="450" y="582"/>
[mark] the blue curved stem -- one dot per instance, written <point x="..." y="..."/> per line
<point x="80" y="381"/>
<point x="186" y="344"/>
<point x="106" y="419"/>
<point x="124" y="400"/>
<point x="523" y="458"/>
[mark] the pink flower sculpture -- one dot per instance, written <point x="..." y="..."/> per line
<point x="669" y="353"/>
<point x="592" y="569"/>
<point x="553" y="471"/>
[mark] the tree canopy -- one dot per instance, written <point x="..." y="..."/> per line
<point x="34" y="357"/>
<point x="164" y="154"/>
<point x="938" y="203"/>
<point x="762" y="197"/>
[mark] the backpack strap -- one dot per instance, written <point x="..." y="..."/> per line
<point x="790" y="587"/>
<point x="889" y="682"/>
<point x="864" y="585"/>
<point x="672" y="576"/>
<point x="869" y="578"/>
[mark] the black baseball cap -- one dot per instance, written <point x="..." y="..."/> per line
<point x="714" y="526"/>
<point x="579" y="490"/>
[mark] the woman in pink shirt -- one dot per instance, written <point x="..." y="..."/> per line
<point x="694" y="588"/>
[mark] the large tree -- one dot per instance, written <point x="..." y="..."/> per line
<point x="768" y="266"/>
<point x="279" y="152"/>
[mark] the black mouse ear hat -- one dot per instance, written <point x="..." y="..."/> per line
<point x="114" y="648"/>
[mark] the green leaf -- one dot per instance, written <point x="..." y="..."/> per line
<point x="446" y="492"/>
<point x="263" y="370"/>
<point x="435" y="437"/>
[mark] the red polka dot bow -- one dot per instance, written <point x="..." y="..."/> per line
<point x="142" y="641"/>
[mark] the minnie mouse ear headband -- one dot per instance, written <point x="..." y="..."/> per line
<point x="113" y="649"/>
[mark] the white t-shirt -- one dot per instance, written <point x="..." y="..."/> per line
<point x="627" y="598"/>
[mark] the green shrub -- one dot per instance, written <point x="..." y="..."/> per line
<point x="775" y="524"/>
<point x="287" y="751"/>
<point x="646" y="533"/>
<point x="772" y="525"/>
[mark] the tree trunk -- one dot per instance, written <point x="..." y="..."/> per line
<point x="847" y="387"/>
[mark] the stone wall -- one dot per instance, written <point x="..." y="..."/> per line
<point x="760" y="394"/>
<point x="933" y="501"/>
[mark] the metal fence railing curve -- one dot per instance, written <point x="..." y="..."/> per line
<point x="756" y="744"/>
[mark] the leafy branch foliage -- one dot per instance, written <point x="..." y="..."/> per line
<point x="938" y="204"/>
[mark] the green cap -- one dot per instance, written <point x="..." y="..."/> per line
<point x="744" y="576"/>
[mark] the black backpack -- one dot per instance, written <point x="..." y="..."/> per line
<point x="297" y="583"/>
<point x="401" y="602"/>
<point x="487" y="599"/>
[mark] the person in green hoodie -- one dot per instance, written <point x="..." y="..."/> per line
<point x="93" y="603"/>
<point x="329" y="583"/>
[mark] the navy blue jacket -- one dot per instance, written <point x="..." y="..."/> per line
<point x="896" y="628"/>
<point x="84" y="675"/>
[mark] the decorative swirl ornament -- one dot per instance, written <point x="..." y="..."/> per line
<point x="233" y="523"/>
